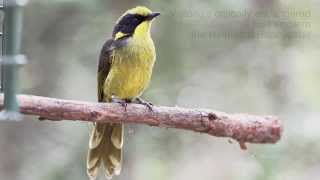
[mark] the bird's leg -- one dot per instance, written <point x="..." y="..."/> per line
<point x="143" y="102"/>
<point x="122" y="102"/>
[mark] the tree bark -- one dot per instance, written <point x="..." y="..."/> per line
<point x="241" y="127"/>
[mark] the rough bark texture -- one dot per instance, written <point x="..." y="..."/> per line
<point x="241" y="127"/>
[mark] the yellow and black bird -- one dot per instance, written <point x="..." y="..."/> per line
<point x="124" y="71"/>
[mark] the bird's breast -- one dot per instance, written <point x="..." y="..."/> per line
<point x="131" y="69"/>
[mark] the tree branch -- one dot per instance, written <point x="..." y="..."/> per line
<point x="241" y="127"/>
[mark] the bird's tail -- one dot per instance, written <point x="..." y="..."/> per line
<point x="105" y="147"/>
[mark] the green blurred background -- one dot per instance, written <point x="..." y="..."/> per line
<point x="251" y="56"/>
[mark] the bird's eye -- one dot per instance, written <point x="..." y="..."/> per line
<point x="135" y="20"/>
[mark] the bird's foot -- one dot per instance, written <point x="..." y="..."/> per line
<point x="122" y="102"/>
<point x="143" y="102"/>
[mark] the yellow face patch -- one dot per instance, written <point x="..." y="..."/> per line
<point x="120" y="35"/>
<point x="143" y="30"/>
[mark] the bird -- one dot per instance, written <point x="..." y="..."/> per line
<point x="125" y="68"/>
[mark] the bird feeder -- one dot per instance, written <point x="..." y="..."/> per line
<point x="11" y="58"/>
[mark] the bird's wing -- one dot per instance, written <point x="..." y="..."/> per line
<point x="105" y="61"/>
<point x="104" y="65"/>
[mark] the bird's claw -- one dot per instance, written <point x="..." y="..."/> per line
<point x="123" y="103"/>
<point x="146" y="103"/>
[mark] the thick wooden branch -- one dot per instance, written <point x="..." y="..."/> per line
<point x="241" y="127"/>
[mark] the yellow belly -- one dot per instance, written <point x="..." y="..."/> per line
<point x="130" y="71"/>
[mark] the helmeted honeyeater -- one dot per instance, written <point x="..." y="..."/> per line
<point x="124" y="71"/>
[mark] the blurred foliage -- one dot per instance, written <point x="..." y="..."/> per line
<point x="253" y="56"/>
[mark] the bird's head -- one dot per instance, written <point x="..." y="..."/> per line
<point x="134" y="22"/>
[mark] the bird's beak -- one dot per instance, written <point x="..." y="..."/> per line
<point x="153" y="15"/>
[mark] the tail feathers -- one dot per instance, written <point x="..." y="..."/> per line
<point x="93" y="159"/>
<point x="93" y="171"/>
<point x="112" y="161"/>
<point x="105" y="147"/>
<point x="96" y="136"/>
<point x="117" y="136"/>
